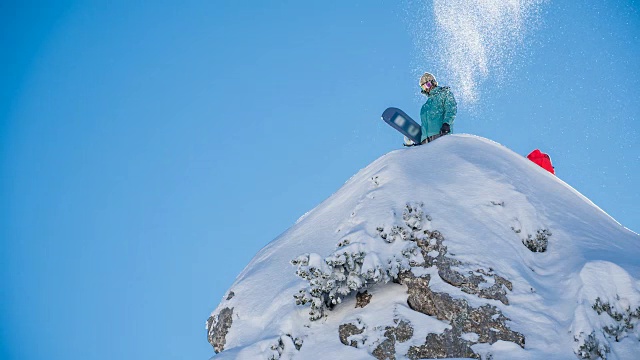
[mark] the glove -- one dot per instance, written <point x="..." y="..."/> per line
<point x="445" y="129"/>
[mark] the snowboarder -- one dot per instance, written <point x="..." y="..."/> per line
<point x="439" y="111"/>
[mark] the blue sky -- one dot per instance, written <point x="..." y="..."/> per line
<point x="148" y="152"/>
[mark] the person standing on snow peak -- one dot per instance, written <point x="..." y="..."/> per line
<point x="439" y="111"/>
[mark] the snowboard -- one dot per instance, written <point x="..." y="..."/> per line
<point x="402" y="122"/>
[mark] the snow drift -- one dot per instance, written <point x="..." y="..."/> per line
<point x="457" y="249"/>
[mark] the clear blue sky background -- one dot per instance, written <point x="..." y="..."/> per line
<point x="148" y="151"/>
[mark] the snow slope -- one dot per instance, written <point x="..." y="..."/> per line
<point x="484" y="199"/>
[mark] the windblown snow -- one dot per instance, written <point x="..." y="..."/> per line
<point x="472" y="40"/>
<point x="460" y="248"/>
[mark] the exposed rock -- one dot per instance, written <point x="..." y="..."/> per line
<point x="386" y="350"/>
<point x="417" y="296"/>
<point x="449" y="344"/>
<point x="471" y="283"/>
<point x="231" y="295"/>
<point x="401" y="333"/>
<point x="404" y="331"/>
<point x="347" y="330"/>
<point x="218" y="327"/>
<point x="363" y="299"/>
<point x="486" y="321"/>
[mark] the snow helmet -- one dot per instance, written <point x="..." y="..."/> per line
<point x="425" y="79"/>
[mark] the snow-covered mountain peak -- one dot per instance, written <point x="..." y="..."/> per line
<point x="459" y="249"/>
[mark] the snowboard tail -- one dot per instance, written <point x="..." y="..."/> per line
<point x="402" y="122"/>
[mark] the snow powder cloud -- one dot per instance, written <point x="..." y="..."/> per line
<point x="474" y="39"/>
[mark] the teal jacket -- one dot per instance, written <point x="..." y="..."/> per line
<point x="440" y="108"/>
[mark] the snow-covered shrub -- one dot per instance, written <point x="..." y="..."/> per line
<point x="329" y="279"/>
<point x="349" y="269"/>
<point x="592" y="347"/>
<point x="358" y="264"/>
<point x="285" y="348"/>
<point x="539" y="242"/>
<point x="413" y="219"/>
<point x="624" y="322"/>
<point x="615" y="322"/>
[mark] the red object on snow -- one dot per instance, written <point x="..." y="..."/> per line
<point x="541" y="159"/>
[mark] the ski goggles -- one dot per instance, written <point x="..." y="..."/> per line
<point x="426" y="86"/>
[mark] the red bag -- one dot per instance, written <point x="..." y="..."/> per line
<point x="541" y="159"/>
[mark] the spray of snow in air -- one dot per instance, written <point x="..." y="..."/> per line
<point x="464" y="42"/>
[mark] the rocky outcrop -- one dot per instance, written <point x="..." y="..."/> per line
<point x="345" y="331"/>
<point x="474" y="283"/>
<point x="400" y="333"/>
<point x="353" y="334"/>
<point x="218" y="327"/>
<point x="363" y="299"/>
<point x="469" y="325"/>
<point x="449" y="344"/>
<point x="487" y="322"/>
<point x="403" y="332"/>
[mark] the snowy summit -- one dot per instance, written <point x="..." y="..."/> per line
<point x="456" y="249"/>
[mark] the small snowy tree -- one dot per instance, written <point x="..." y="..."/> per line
<point x="615" y="321"/>
<point x="538" y="243"/>
<point x="357" y="265"/>
<point x="624" y="322"/>
<point x="592" y="347"/>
